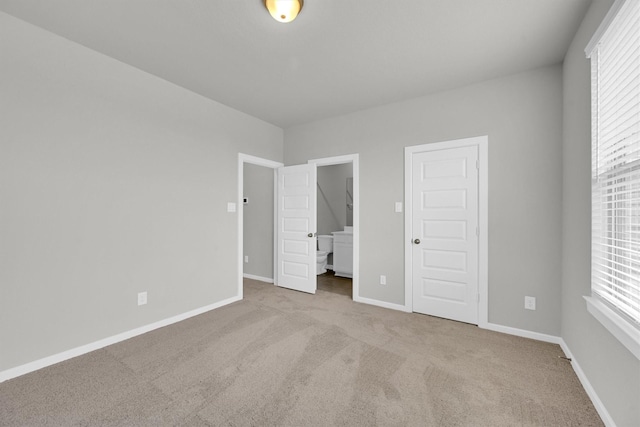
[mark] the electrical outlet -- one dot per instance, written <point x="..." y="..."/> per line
<point x="246" y="258"/>
<point x="530" y="303"/>
<point x="142" y="298"/>
<point x="383" y="279"/>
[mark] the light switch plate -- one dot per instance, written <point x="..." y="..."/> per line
<point x="142" y="298"/>
<point x="231" y="207"/>
<point x="398" y="206"/>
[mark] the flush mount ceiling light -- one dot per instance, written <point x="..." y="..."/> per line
<point x="284" y="10"/>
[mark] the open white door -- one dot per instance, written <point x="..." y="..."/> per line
<point x="296" y="229"/>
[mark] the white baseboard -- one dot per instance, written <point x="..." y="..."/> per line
<point x="78" y="351"/>
<point x="522" y="333"/>
<point x="383" y="304"/>
<point x="597" y="403"/>
<point x="259" y="278"/>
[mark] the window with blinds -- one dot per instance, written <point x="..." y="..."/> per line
<point x="615" y="239"/>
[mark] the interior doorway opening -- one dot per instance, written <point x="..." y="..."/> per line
<point x="335" y="228"/>
<point x="256" y="219"/>
<point x="338" y="220"/>
<point x="245" y="233"/>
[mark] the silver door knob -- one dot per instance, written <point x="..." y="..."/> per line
<point x="310" y="235"/>
<point x="416" y="241"/>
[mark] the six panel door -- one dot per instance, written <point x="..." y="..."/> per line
<point x="296" y="256"/>
<point x="445" y="239"/>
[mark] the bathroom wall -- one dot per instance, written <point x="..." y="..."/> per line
<point x="258" y="221"/>
<point x="112" y="182"/>
<point x="332" y="197"/>
<point x="522" y="116"/>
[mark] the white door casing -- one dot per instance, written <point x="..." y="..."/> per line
<point x="446" y="268"/>
<point x="296" y="228"/>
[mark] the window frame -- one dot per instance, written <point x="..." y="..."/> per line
<point x="621" y="325"/>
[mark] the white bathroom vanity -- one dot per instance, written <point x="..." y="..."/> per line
<point x="343" y="252"/>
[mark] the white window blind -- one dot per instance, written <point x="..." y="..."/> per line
<point x="615" y="65"/>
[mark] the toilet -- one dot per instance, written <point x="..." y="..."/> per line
<point x="325" y="247"/>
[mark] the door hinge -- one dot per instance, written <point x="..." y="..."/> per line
<point x="478" y="297"/>
<point x="477" y="231"/>
<point x="477" y="164"/>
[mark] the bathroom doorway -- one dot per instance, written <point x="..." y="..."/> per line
<point x="337" y="225"/>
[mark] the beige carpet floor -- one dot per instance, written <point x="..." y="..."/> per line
<point x="283" y="358"/>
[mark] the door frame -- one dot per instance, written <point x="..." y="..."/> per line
<point x="242" y="159"/>
<point x="354" y="159"/>
<point x="482" y="142"/>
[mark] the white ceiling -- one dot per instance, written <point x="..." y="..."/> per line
<point x="338" y="56"/>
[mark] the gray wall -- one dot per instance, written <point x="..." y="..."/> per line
<point x="112" y="182"/>
<point x="258" y="220"/>
<point x="332" y="210"/>
<point x="617" y="385"/>
<point x="522" y="115"/>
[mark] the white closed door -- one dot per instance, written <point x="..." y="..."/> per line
<point x="445" y="233"/>
<point x="296" y="229"/>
